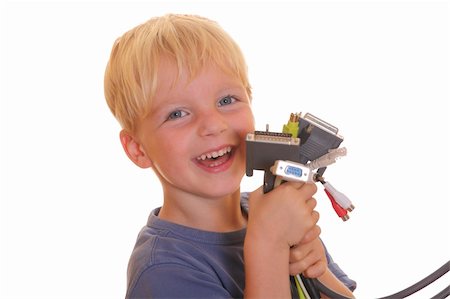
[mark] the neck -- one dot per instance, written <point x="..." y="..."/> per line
<point x="221" y="214"/>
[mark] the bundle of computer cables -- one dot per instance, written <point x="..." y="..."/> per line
<point x="307" y="288"/>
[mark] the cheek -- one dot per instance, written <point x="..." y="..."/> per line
<point x="166" y="149"/>
<point x="169" y="158"/>
<point x="246" y="123"/>
<point x="164" y="146"/>
<point x="243" y="125"/>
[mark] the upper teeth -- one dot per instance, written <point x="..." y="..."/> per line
<point x="215" y="154"/>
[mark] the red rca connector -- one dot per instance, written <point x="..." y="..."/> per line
<point x="340" y="198"/>
<point x="341" y="203"/>
<point x="340" y="211"/>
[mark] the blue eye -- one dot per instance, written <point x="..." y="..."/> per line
<point x="226" y="101"/>
<point x="176" y="114"/>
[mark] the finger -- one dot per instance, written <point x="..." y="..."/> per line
<point x="258" y="190"/>
<point x="311" y="235"/>
<point x="299" y="252"/>
<point x="308" y="258"/>
<point x="315" y="216"/>
<point x="255" y="194"/>
<point x="307" y="191"/>
<point x="312" y="203"/>
<point x="296" y="268"/>
<point x="306" y="187"/>
<point x="301" y="265"/>
<point x="310" y="187"/>
<point x="316" y="270"/>
<point x="296" y="185"/>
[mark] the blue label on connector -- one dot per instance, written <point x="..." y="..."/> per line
<point x="294" y="171"/>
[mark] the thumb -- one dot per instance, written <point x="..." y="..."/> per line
<point x="255" y="194"/>
<point x="258" y="191"/>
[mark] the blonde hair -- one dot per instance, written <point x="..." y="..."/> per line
<point x="191" y="42"/>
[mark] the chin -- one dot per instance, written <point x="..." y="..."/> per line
<point x="223" y="191"/>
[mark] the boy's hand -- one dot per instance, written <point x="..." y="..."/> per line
<point x="284" y="215"/>
<point x="277" y="220"/>
<point x="308" y="257"/>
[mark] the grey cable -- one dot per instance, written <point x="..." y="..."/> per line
<point x="421" y="284"/>
<point x="442" y="294"/>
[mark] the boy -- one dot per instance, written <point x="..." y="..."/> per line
<point x="178" y="86"/>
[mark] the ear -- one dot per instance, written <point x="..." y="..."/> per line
<point x="134" y="150"/>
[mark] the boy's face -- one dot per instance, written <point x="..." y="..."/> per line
<point x="194" y="136"/>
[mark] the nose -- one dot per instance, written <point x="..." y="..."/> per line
<point x="211" y="124"/>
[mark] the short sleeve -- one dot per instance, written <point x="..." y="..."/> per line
<point x="176" y="281"/>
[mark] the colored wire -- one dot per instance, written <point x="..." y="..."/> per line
<point x="310" y="287"/>
<point x="300" y="288"/>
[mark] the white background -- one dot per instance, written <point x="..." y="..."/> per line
<point x="72" y="203"/>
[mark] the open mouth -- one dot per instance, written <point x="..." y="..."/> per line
<point x="215" y="158"/>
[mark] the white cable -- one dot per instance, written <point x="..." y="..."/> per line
<point x="327" y="159"/>
<point x="302" y="285"/>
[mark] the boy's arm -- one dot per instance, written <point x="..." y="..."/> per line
<point x="277" y="220"/>
<point x="266" y="269"/>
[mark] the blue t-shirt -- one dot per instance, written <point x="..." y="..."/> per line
<point x="175" y="261"/>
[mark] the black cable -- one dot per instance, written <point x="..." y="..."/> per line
<point x="421" y="284"/>
<point x="311" y="287"/>
<point x="402" y="294"/>
<point x="442" y="294"/>
<point x="294" y="292"/>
